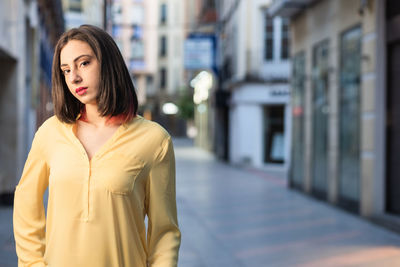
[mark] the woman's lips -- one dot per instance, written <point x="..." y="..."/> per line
<point x="81" y="90"/>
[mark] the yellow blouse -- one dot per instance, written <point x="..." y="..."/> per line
<point x="97" y="208"/>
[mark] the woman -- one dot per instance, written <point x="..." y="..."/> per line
<point x="106" y="169"/>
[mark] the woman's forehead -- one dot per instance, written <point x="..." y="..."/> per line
<point x="74" y="49"/>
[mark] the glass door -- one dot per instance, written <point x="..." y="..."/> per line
<point x="274" y="128"/>
<point x="297" y="168"/>
<point x="320" y="84"/>
<point x="349" y="120"/>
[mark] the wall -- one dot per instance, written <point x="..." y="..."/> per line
<point x="328" y="20"/>
<point x="21" y="25"/>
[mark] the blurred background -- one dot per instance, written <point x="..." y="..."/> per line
<point x="283" y="112"/>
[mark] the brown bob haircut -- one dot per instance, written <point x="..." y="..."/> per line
<point x="116" y="95"/>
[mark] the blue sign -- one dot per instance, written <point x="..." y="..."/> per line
<point x="199" y="52"/>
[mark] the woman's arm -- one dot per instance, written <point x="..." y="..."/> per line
<point x="29" y="213"/>
<point x="163" y="237"/>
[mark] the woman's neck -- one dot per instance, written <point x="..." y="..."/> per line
<point x="93" y="116"/>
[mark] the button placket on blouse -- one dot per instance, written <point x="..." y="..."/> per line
<point x="85" y="184"/>
<point x="86" y="178"/>
<point x="86" y="181"/>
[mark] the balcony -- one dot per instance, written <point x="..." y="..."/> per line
<point x="288" y="8"/>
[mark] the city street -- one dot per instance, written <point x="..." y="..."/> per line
<point x="232" y="217"/>
<point x="237" y="217"/>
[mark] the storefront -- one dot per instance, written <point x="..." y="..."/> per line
<point x="393" y="107"/>
<point x="335" y="98"/>
<point x="349" y="117"/>
<point x="260" y="125"/>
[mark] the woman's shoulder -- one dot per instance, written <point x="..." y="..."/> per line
<point x="152" y="128"/>
<point x="49" y="126"/>
<point x="50" y="123"/>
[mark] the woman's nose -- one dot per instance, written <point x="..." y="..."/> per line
<point x="74" y="77"/>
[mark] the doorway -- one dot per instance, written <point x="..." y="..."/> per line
<point x="393" y="108"/>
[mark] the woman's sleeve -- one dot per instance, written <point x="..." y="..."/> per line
<point x="163" y="236"/>
<point x="29" y="213"/>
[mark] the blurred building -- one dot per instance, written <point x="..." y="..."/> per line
<point x="346" y="103"/>
<point x="29" y="31"/>
<point x="78" y="12"/>
<point x="150" y="36"/>
<point x="201" y="74"/>
<point x="134" y="28"/>
<point x="255" y="68"/>
<point x="170" y="73"/>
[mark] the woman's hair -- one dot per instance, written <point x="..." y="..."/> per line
<point x="116" y="94"/>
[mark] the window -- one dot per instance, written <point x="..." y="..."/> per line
<point x="320" y="86"/>
<point x="163" y="12"/>
<point x="116" y="31"/>
<point x="274" y="128"/>
<point x="137" y="49"/>
<point x="116" y="12"/>
<point x="149" y="80"/>
<point x="285" y="39"/>
<point x="75" y="5"/>
<point x="136" y="14"/>
<point x="137" y="32"/>
<point x="298" y="99"/>
<point x="163" y="78"/>
<point x="269" y="38"/>
<point x="150" y="85"/>
<point x="163" y="46"/>
<point x="349" y="122"/>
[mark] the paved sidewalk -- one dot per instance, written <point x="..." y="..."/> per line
<point x="8" y="258"/>
<point x="235" y="217"/>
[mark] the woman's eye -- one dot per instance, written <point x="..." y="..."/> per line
<point x="65" y="72"/>
<point x="84" y="63"/>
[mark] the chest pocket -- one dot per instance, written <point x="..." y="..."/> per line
<point x="118" y="174"/>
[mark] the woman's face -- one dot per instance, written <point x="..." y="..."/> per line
<point x="81" y="70"/>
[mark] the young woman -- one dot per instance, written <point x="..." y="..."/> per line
<point x="106" y="169"/>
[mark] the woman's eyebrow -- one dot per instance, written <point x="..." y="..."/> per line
<point x="76" y="59"/>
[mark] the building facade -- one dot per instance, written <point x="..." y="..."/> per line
<point x="150" y="37"/>
<point x="78" y="12"/>
<point x="134" y="29"/>
<point x="170" y="72"/>
<point x="255" y="66"/>
<point x="29" y="31"/>
<point x="200" y="69"/>
<point x="344" y="103"/>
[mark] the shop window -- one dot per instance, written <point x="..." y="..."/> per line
<point x="298" y="105"/>
<point x="274" y="134"/>
<point x="320" y="117"/>
<point x="349" y="122"/>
